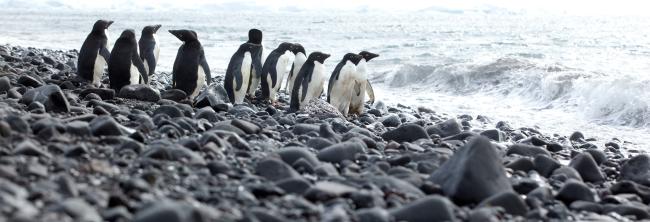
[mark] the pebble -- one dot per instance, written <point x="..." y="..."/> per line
<point x="406" y="133"/>
<point x="527" y="150"/>
<point x="104" y="94"/>
<point x="637" y="169"/>
<point x="274" y="169"/>
<point x="587" y="167"/>
<point x="510" y="201"/>
<point x="574" y="190"/>
<point x="478" y="157"/>
<point x="49" y="95"/>
<point x="447" y="128"/>
<point x="337" y="153"/>
<point x="139" y="92"/>
<point x="173" y="95"/>
<point x="427" y="209"/>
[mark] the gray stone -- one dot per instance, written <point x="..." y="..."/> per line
<point x="50" y="95"/>
<point x="139" y="92"/>
<point x="428" y="209"/>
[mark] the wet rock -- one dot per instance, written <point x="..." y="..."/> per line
<point x="637" y="169"/>
<point x="545" y="165"/>
<point x="294" y="185"/>
<point x="274" y="169"/>
<point x="50" y="95"/>
<point x="238" y="110"/>
<point x="106" y="126"/>
<point x="169" y="110"/>
<point x="585" y="164"/>
<point x="78" y="128"/>
<point x="521" y="164"/>
<point x="447" y="128"/>
<point x="320" y="109"/>
<point x="527" y="150"/>
<point x="406" y="133"/>
<point x="173" y="95"/>
<point x="104" y="94"/>
<point x="493" y="134"/>
<point x="510" y="201"/>
<point x="391" y="120"/>
<point x="165" y="150"/>
<point x="581" y="205"/>
<point x="375" y="214"/>
<point x="574" y="190"/>
<point x="247" y="127"/>
<point x="639" y="212"/>
<point x="212" y="96"/>
<point x="29" y="148"/>
<point x="598" y="155"/>
<point x="319" y="143"/>
<point x="208" y="114"/>
<point x="627" y="186"/>
<point x="577" y="136"/>
<point x="337" y="153"/>
<point x="292" y="154"/>
<point x="30" y="81"/>
<point x="567" y="173"/>
<point x="168" y="211"/>
<point x="303" y="128"/>
<point x="139" y="92"/>
<point x="431" y="208"/>
<point x="326" y="190"/>
<point x="476" y="167"/>
<point x="18" y="124"/>
<point x="5" y="84"/>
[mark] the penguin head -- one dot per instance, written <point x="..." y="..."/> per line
<point x="184" y="35"/>
<point x="318" y="56"/>
<point x="250" y="47"/>
<point x="128" y="34"/>
<point x="298" y="48"/>
<point x="150" y="29"/>
<point x="354" y="58"/>
<point x="285" y="46"/>
<point x="368" y="55"/>
<point x="101" y="25"/>
<point x="255" y="36"/>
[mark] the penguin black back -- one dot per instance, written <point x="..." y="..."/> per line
<point x="94" y="45"/>
<point x="124" y="56"/>
<point x="269" y="69"/>
<point x="234" y="71"/>
<point x="354" y="58"/>
<point x="301" y="85"/>
<point x="188" y="59"/>
<point x="147" y="45"/>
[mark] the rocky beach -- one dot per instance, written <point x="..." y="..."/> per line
<point x="71" y="152"/>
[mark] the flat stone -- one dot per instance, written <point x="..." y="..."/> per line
<point x="139" y="92"/>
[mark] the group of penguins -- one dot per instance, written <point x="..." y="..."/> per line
<point x="132" y="62"/>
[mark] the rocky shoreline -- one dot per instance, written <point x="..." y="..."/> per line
<point x="69" y="152"/>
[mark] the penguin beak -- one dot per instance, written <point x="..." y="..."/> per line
<point x="325" y="56"/>
<point x="109" y="23"/>
<point x="175" y="33"/>
<point x="156" y="27"/>
<point x="372" y="56"/>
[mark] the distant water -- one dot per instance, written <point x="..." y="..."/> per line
<point x="558" y="73"/>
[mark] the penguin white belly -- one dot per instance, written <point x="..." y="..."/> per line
<point x="281" y="71"/>
<point x="134" y="75"/>
<point x="342" y="89"/>
<point x="200" y="80"/>
<point x="245" y="72"/>
<point x="156" y="49"/>
<point x="98" y="70"/>
<point x="358" y="81"/>
<point x="297" y="64"/>
<point x="146" y="65"/>
<point x="315" y="88"/>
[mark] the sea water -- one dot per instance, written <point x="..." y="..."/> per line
<point x="556" y="73"/>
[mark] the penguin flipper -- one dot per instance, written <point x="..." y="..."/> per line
<point x="371" y="92"/>
<point x="305" y="86"/>
<point x="150" y="59"/>
<point x="135" y="59"/>
<point x="103" y="51"/>
<point x="234" y="68"/>
<point x="357" y="88"/>
<point x="206" y="68"/>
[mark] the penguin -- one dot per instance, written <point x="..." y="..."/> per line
<point x="361" y="84"/>
<point x="126" y="67"/>
<point x="341" y="83"/>
<point x="255" y="37"/>
<point x="190" y="69"/>
<point x="94" y="53"/>
<point x="275" y="68"/>
<point x="309" y="82"/>
<point x="243" y="63"/>
<point x="300" y="56"/>
<point x="149" y="48"/>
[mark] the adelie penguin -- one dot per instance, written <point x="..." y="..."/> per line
<point x="125" y="66"/>
<point x="342" y="83"/>
<point x="275" y="68"/>
<point x="149" y="48"/>
<point x="244" y="63"/>
<point x="300" y="56"/>
<point x="94" y="53"/>
<point x="361" y="84"/>
<point x="191" y="70"/>
<point x="255" y="37"/>
<point x="309" y="82"/>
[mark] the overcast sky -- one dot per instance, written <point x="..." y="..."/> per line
<point x="605" y="7"/>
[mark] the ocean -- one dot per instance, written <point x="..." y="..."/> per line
<point x="556" y="73"/>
